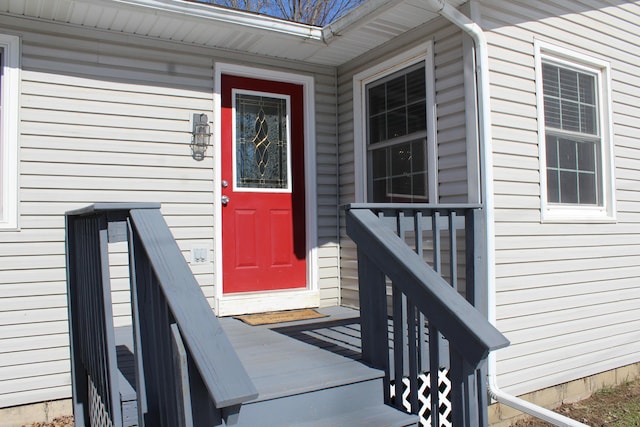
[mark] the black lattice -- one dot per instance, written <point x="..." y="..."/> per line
<point x="424" y="397"/>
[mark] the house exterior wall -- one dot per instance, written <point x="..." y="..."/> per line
<point x="105" y="118"/>
<point x="447" y="42"/>
<point x="568" y="294"/>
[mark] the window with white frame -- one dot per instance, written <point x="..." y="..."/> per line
<point x="575" y="144"/>
<point x="394" y="129"/>
<point x="397" y="133"/>
<point x="9" y="90"/>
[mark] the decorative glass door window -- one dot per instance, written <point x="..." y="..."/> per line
<point x="262" y="147"/>
<point x="397" y="135"/>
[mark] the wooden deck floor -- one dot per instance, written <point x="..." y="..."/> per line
<point x="298" y="356"/>
<point x="282" y="350"/>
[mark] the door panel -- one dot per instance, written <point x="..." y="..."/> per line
<point x="263" y="223"/>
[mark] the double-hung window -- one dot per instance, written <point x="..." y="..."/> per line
<point x="397" y="133"/>
<point x="9" y="90"/>
<point x="576" y="172"/>
<point x="394" y="129"/>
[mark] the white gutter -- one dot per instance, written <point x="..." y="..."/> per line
<point x="486" y="177"/>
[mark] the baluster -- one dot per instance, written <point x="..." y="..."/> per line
<point x="434" y="368"/>
<point x="421" y="321"/>
<point x="413" y="357"/>
<point x="399" y="320"/>
<point x="435" y="229"/>
<point x="453" y="251"/>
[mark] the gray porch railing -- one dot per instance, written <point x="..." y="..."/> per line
<point x="433" y="325"/>
<point x="173" y="325"/>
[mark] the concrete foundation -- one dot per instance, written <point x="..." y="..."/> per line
<point x="574" y="391"/>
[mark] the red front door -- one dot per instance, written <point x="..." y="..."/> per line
<point x="263" y="212"/>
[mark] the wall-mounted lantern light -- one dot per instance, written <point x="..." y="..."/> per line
<point x="200" y="136"/>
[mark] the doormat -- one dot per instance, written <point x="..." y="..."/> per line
<point x="280" y="317"/>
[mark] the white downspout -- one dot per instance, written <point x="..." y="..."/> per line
<point x="486" y="178"/>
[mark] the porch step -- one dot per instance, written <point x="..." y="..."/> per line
<point x="304" y="384"/>
<point x="306" y="373"/>
<point x="378" y="416"/>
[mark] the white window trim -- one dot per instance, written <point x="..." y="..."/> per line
<point x="421" y="53"/>
<point x="551" y="212"/>
<point x="252" y="302"/>
<point x="10" y="90"/>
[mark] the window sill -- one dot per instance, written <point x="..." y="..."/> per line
<point x="570" y="214"/>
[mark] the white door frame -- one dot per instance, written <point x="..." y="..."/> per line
<point x="253" y="302"/>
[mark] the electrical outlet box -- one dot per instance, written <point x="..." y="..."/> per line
<point x="199" y="255"/>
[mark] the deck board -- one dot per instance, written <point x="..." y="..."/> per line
<point x="295" y="357"/>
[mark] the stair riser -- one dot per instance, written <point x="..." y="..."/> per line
<point x="292" y="410"/>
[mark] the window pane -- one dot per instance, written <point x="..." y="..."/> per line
<point x="379" y="191"/>
<point x="568" y="84"/>
<point x="378" y="163"/>
<point x="396" y="93"/>
<point x="569" y="116"/>
<point x="553" y="186"/>
<point x="552" y="113"/>
<point x="587" y="89"/>
<point x="416" y="89"/>
<point x="377" y="100"/>
<point x="377" y="129"/>
<point x="550" y="80"/>
<point x="588" y="120"/>
<point x="552" y="151"/>
<point x="587" y="156"/>
<point x="568" y="187"/>
<point x="261" y="142"/>
<point x="417" y="117"/>
<point x="567" y="154"/>
<point x="418" y="156"/>
<point x="400" y="160"/>
<point x="400" y="186"/>
<point x="420" y="185"/>
<point x="587" y="185"/>
<point x="396" y="123"/>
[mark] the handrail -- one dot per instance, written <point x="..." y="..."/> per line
<point x="456" y="318"/>
<point x="436" y="332"/>
<point x="209" y="346"/>
<point x="164" y="294"/>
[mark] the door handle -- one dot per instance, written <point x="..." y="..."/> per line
<point x="225" y="200"/>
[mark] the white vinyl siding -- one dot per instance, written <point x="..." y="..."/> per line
<point x="568" y="294"/>
<point x="107" y="118"/>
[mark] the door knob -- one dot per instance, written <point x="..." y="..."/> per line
<point x="225" y="200"/>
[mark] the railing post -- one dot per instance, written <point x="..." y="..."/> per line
<point x="475" y="264"/>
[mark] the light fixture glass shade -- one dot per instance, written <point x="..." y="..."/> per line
<point x="200" y="136"/>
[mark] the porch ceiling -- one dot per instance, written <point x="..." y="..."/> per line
<point x="368" y="26"/>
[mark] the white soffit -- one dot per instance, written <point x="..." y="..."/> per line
<point x="373" y="23"/>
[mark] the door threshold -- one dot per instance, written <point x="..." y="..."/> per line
<point x="260" y="302"/>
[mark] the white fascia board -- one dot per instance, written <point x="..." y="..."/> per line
<point x="194" y="10"/>
<point x="358" y="16"/>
